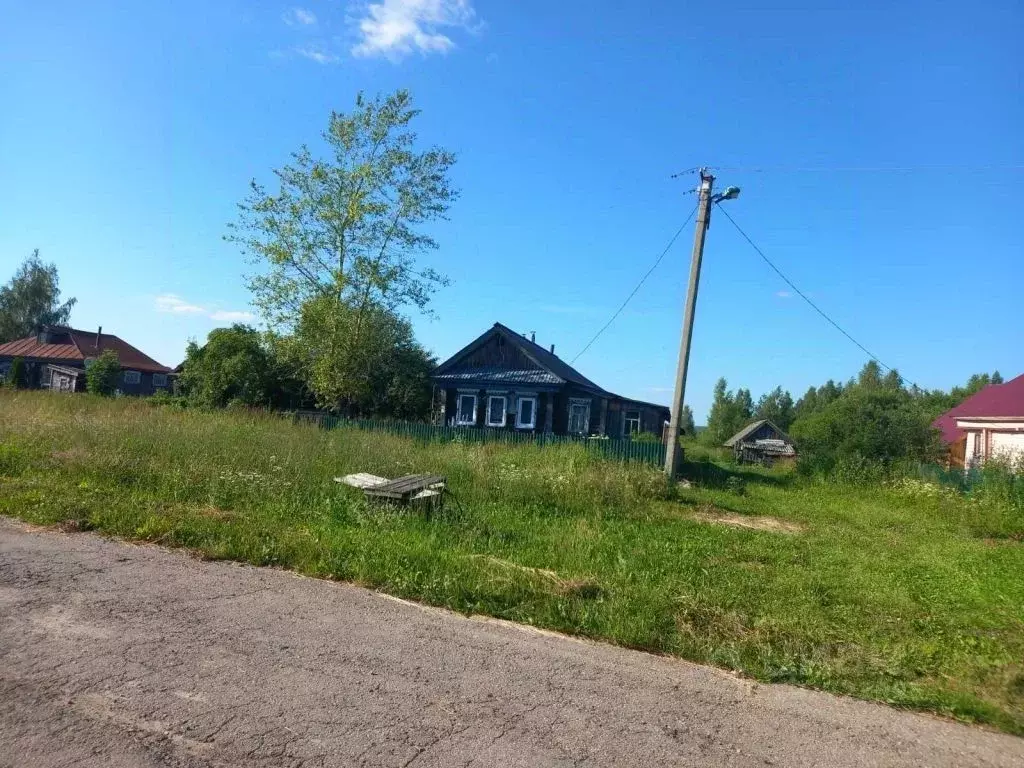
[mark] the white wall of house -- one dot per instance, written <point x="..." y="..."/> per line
<point x="993" y="438"/>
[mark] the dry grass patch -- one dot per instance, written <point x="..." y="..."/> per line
<point x="587" y="589"/>
<point x="753" y="522"/>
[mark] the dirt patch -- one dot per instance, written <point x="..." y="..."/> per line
<point x="754" y="522"/>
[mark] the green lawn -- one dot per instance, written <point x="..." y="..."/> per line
<point x="907" y="594"/>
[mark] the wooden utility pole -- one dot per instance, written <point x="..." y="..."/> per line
<point x="673" y="452"/>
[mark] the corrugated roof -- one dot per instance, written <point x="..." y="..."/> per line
<point x="555" y="370"/>
<point x="995" y="401"/>
<point x="500" y="376"/>
<point x="80" y="346"/>
<point x="753" y="427"/>
<point x="549" y="360"/>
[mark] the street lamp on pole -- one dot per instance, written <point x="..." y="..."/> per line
<point x="673" y="451"/>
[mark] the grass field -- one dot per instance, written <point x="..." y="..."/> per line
<point x="905" y="593"/>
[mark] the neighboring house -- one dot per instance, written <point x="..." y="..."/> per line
<point x="503" y="380"/>
<point x="762" y="443"/>
<point x="56" y="358"/>
<point x="988" y="424"/>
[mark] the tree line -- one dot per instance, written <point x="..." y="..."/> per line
<point x="873" y="417"/>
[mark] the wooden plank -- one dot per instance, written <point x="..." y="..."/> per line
<point x="402" y="487"/>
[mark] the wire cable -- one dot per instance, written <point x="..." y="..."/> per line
<point x="866" y="169"/>
<point x="804" y="296"/>
<point x="638" y="285"/>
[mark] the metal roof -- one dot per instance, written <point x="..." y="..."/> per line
<point x="753" y="427"/>
<point x="555" y="370"/>
<point x="79" y="346"/>
<point x="500" y="376"/>
<point x="994" y="401"/>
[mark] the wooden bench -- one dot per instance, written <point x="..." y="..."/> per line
<point x="428" y="489"/>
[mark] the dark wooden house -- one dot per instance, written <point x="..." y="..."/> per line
<point x="56" y="358"/>
<point x="761" y="442"/>
<point x="503" y="380"/>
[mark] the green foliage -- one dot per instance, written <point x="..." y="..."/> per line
<point x="686" y="424"/>
<point x="102" y="373"/>
<point x="234" y="366"/>
<point x="16" y="375"/>
<point x="899" y="591"/>
<point x="361" y="360"/>
<point x="777" y="407"/>
<point x="870" y="422"/>
<point x="729" y="413"/>
<point x="32" y="299"/>
<point x="336" y="248"/>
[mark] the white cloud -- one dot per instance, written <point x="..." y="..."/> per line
<point x="784" y="294"/>
<point x="317" y="53"/>
<point x="174" y="304"/>
<point x="394" y="28"/>
<point x="299" y="17"/>
<point x="169" y="302"/>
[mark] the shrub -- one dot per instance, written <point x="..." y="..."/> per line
<point x="101" y="374"/>
<point x="16" y="375"/>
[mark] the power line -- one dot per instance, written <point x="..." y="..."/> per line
<point x="868" y="169"/>
<point x="804" y="296"/>
<point x="638" y="285"/>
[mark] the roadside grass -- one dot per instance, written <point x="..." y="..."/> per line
<point x="906" y="593"/>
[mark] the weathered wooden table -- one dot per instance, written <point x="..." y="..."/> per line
<point x="405" y="489"/>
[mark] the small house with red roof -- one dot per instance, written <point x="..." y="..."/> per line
<point x="57" y="356"/>
<point x="988" y="424"/>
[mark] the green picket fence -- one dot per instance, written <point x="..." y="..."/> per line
<point x="616" y="450"/>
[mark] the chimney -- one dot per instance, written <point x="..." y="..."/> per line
<point x="98" y="334"/>
<point x="552" y="349"/>
<point x="533" y="336"/>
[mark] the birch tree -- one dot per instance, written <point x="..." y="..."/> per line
<point x="336" y="244"/>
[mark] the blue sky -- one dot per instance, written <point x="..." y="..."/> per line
<point x="130" y="131"/>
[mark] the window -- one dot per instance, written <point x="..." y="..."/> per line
<point x="466" y="410"/>
<point x="579" y="416"/>
<point x="496" y="406"/>
<point x="631" y="422"/>
<point x="526" y="413"/>
<point x="132" y="377"/>
<point x="159" y="379"/>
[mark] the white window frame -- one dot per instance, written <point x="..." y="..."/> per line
<point x="520" y="424"/>
<point x="489" y="413"/>
<point x="460" y="417"/>
<point x="132" y="377"/>
<point x="585" y="405"/>
<point x="626" y="421"/>
<point x="159" y="379"/>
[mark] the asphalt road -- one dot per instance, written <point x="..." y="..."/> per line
<point x="121" y="655"/>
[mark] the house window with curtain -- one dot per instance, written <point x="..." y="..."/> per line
<point x="132" y="377"/>
<point x="159" y="379"/>
<point x="466" y="410"/>
<point x="526" y="413"/>
<point x="496" y="407"/>
<point x="579" y="417"/>
<point x="631" y="420"/>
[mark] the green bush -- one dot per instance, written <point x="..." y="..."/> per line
<point x="16" y="375"/>
<point x="101" y="374"/>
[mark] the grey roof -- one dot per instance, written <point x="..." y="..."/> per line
<point x="500" y="376"/>
<point x="556" y="370"/>
<point x="753" y="427"/>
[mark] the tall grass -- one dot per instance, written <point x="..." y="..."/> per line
<point x="902" y="591"/>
